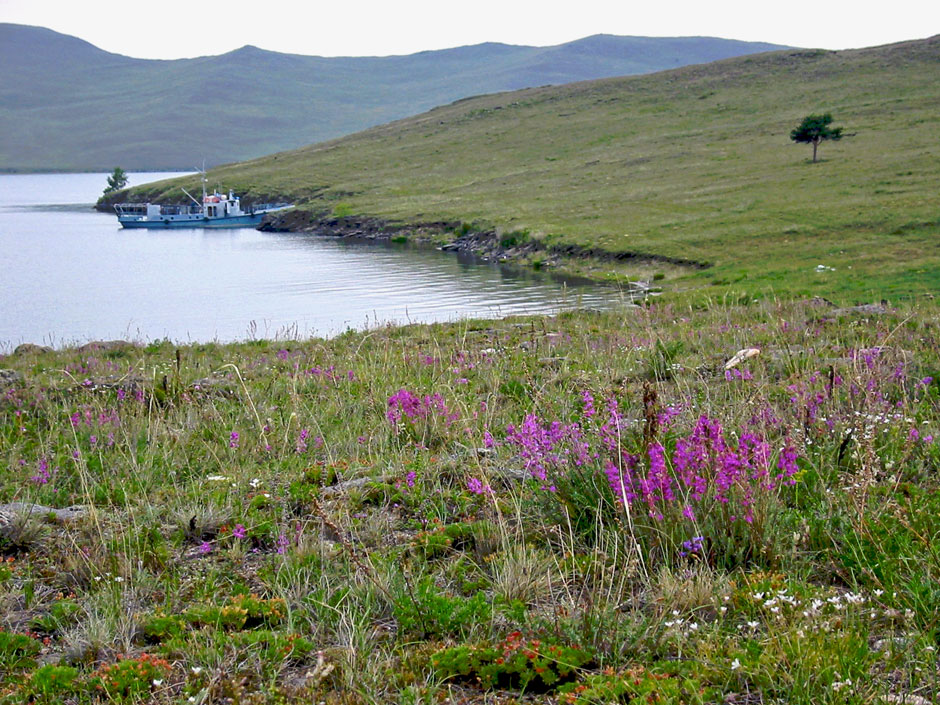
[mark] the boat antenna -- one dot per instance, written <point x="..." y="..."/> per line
<point x="205" y="180"/>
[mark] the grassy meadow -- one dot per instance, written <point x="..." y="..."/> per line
<point x="694" y="164"/>
<point x="590" y="508"/>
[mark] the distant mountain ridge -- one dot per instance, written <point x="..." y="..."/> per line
<point x="66" y="104"/>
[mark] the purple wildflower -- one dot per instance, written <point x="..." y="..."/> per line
<point x="656" y="487"/>
<point x="301" y="445"/>
<point x="476" y="486"/>
<point x="588" y="400"/>
<point x="621" y="479"/>
<point x="543" y="446"/>
<point x="282" y="543"/>
<point x="693" y="545"/>
<point x="404" y="405"/>
<point x="786" y="463"/>
<point x="42" y="475"/>
<point x="668" y="415"/>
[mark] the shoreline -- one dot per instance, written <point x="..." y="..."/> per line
<point x="488" y="244"/>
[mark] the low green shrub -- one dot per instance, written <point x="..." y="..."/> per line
<point x="673" y="684"/>
<point x="516" y="662"/>
<point x="51" y="683"/>
<point x="425" y="610"/>
<point x="17" y="651"/>
<point x="129" y="678"/>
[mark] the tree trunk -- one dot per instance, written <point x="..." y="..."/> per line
<point x="815" y="145"/>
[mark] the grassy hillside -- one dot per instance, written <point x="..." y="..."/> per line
<point x="64" y="104"/>
<point x="694" y="163"/>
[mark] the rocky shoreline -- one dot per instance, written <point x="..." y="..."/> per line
<point x="448" y="236"/>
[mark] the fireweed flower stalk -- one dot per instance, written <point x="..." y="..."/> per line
<point x="698" y="484"/>
<point x="423" y="419"/>
<point x="708" y="486"/>
<point x="547" y="448"/>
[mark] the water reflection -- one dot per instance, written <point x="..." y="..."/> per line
<point x="71" y="275"/>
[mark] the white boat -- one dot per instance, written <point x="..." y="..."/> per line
<point x="217" y="210"/>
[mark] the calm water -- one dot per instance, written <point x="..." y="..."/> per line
<point x="70" y="274"/>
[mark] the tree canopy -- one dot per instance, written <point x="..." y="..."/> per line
<point x="814" y="129"/>
<point x="116" y="181"/>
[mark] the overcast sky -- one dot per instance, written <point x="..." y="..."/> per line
<point x="176" y="28"/>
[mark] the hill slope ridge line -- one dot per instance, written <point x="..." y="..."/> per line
<point x="69" y="105"/>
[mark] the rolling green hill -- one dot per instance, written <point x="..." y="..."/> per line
<point x="65" y="104"/>
<point x="693" y="164"/>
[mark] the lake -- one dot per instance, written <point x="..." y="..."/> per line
<point x="71" y="274"/>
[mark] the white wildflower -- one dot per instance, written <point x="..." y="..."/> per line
<point x="839" y="685"/>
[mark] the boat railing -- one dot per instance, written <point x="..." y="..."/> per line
<point x="131" y="208"/>
<point x="141" y="209"/>
<point x="181" y="210"/>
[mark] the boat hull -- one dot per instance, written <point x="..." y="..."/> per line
<point x="170" y="223"/>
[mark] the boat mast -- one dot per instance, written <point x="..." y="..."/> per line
<point x="191" y="196"/>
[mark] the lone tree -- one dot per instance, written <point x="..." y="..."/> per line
<point x="814" y="129"/>
<point x="116" y="181"/>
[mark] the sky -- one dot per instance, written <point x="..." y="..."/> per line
<point x="183" y="28"/>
